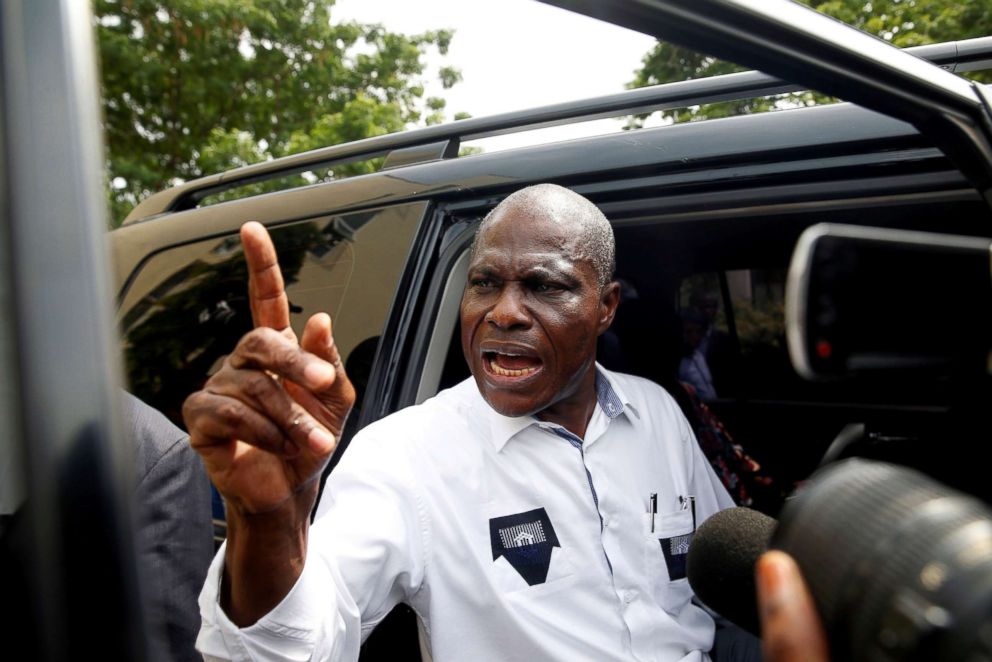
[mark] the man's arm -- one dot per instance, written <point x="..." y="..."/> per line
<point x="265" y="425"/>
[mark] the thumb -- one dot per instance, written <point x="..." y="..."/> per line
<point x="791" y="630"/>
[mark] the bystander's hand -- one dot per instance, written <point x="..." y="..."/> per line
<point x="791" y="630"/>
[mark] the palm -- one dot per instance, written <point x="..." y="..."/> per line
<point x="259" y="481"/>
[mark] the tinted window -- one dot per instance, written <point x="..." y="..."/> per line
<point x="745" y="354"/>
<point x="188" y="306"/>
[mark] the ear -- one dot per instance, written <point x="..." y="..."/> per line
<point x="609" y="299"/>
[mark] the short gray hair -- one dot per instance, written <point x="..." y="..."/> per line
<point x="594" y="232"/>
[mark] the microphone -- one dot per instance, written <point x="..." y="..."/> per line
<point x="720" y="564"/>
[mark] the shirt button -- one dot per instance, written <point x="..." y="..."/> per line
<point x="628" y="597"/>
<point x="607" y="522"/>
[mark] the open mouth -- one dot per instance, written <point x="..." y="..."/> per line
<point x="511" y="365"/>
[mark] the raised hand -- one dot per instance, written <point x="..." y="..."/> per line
<point x="265" y="426"/>
<point x="266" y="423"/>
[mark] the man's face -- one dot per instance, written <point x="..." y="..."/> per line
<point x="531" y="313"/>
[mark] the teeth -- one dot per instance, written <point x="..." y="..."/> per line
<point x="503" y="372"/>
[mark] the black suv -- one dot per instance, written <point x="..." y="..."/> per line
<point x="705" y="215"/>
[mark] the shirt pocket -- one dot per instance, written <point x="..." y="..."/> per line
<point x="666" y="549"/>
<point x="511" y="584"/>
<point x="527" y="553"/>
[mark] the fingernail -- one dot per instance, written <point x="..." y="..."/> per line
<point x="320" y="441"/>
<point x="319" y="374"/>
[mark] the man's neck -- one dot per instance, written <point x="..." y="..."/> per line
<point x="574" y="411"/>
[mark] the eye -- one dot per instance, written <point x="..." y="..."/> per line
<point x="482" y="283"/>
<point x="546" y="287"/>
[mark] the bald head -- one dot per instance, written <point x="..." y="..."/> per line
<point x="583" y="220"/>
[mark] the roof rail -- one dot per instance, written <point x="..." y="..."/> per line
<point x="444" y="139"/>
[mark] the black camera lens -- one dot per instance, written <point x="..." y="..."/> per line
<point x="900" y="566"/>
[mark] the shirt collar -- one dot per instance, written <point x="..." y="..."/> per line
<point x="610" y="397"/>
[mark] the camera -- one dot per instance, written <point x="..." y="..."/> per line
<point x="898" y="563"/>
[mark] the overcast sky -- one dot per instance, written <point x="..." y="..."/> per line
<point x="515" y="54"/>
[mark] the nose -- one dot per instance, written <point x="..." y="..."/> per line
<point x="509" y="311"/>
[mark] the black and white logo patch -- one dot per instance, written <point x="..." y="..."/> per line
<point x="525" y="540"/>
<point x="676" y="550"/>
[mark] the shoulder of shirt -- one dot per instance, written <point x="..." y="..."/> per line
<point x="654" y="404"/>
<point x="432" y="421"/>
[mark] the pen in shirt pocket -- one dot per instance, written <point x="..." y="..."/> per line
<point x="653" y="506"/>
<point x="689" y="503"/>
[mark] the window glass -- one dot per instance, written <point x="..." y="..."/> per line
<point x="189" y="305"/>
<point x="744" y="354"/>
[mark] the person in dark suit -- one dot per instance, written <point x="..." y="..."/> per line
<point x="174" y="529"/>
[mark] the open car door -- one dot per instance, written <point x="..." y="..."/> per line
<point x="800" y="45"/>
<point x="67" y="563"/>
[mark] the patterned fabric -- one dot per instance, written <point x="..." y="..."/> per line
<point x="522" y="534"/>
<point x="525" y="540"/>
<point x="738" y="471"/>
<point x="676" y="552"/>
<point x="608" y="399"/>
<point x="680" y="544"/>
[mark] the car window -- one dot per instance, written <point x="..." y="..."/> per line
<point x="739" y="350"/>
<point x="189" y="305"/>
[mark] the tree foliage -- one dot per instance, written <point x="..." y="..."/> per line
<point x="903" y="23"/>
<point x="193" y="87"/>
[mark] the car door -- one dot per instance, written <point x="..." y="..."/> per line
<point x="800" y="45"/>
<point x="67" y="562"/>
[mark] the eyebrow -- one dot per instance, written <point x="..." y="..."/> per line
<point x="566" y="275"/>
<point x="567" y="279"/>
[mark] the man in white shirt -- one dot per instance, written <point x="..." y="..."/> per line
<point x="541" y="510"/>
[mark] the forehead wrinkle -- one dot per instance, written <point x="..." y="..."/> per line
<point x="556" y="244"/>
<point x="546" y="261"/>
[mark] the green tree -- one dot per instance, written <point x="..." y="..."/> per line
<point x="193" y="87"/>
<point x="904" y="23"/>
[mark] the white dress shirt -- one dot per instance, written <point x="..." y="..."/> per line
<point x="511" y="538"/>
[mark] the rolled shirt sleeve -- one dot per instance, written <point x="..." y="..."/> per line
<point x="365" y="555"/>
<point x="318" y="619"/>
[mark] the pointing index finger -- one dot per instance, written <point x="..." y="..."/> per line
<point x="266" y="289"/>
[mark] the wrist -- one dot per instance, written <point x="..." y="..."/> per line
<point x="265" y="555"/>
